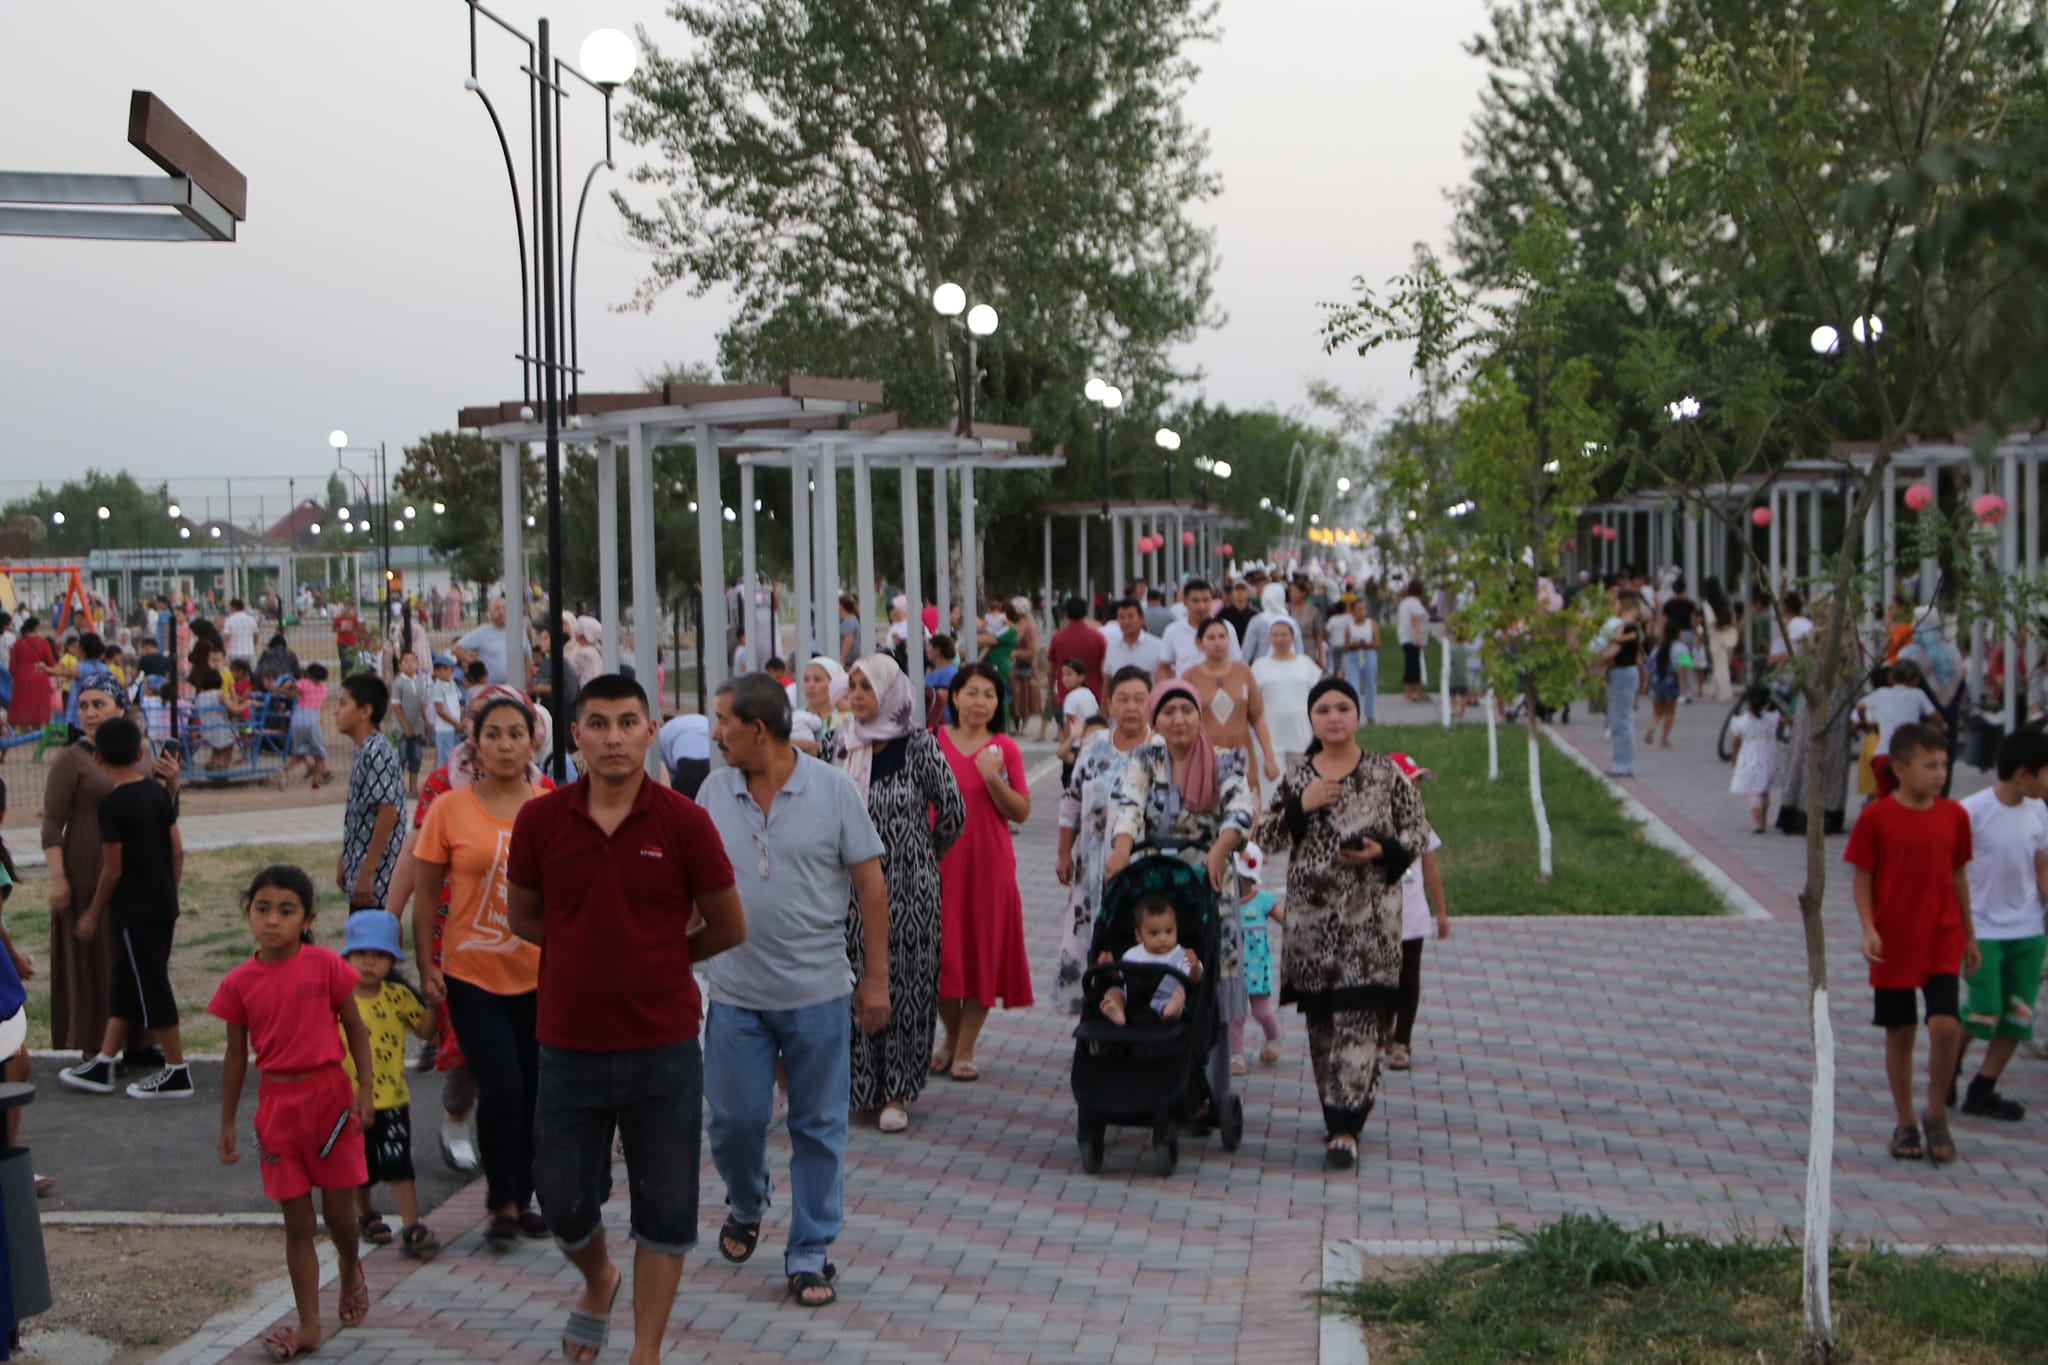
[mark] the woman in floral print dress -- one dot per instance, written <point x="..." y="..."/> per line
<point x="1085" y="808"/>
<point x="1351" y="824"/>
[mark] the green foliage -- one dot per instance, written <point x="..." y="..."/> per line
<point x="1588" y="1289"/>
<point x="461" y="472"/>
<point x="137" y="516"/>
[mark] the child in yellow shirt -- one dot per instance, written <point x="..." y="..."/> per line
<point x="390" y="1010"/>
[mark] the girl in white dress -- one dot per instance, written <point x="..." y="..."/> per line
<point x="1285" y="676"/>
<point x="1754" y="733"/>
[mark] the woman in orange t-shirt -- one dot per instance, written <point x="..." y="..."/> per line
<point x="488" y="974"/>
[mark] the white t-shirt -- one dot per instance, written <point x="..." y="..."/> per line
<point x="441" y="694"/>
<point x="1145" y="654"/>
<point x="1412" y="622"/>
<point x="1891" y="707"/>
<point x="1415" y="917"/>
<point x="1785" y="638"/>
<point x="684" y="737"/>
<point x="239" y="633"/>
<point x="2005" y="894"/>
<point x="1079" y="705"/>
<point x="1186" y="650"/>
<point x="1343" y="630"/>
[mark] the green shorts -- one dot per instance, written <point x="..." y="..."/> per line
<point x="2001" y="994"/>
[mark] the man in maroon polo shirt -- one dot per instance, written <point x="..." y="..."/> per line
<point x="624" y="883"/>
<point x="1079" y="640"/>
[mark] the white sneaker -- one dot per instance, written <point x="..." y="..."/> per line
<point x="458" y="1152"/>
<point x="1238" y="1068"/>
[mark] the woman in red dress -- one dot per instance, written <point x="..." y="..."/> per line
<point x="981" y="914"/>
<point x="29" y="662"/>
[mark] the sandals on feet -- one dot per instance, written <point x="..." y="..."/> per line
<point x="374" y="1229"/>
<point x="805" y="1285"/>
<point x="1940" y="1146"/>
<point x="748" y="1235"/>
<point x="1397" y="1058"/>
<point x="355" y="1303"/>
<point x="1905" y="1145"/>
<point x="589" y="1331"/>
<point x="502" y="1233"/>
<point x="1340" y="1154"/>
<point x="894" y="1118"/>
<point x="964" y="1071"/>
<point x="942" y="1062"/>
<point x="1269" y="1054"/>
<point x="419" y="1242"/>
<point x="283" y="1344"/>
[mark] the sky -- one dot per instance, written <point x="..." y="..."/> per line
<point x="374" y="287"/>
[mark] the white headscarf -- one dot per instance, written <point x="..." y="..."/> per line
<point x="858" y="739"/>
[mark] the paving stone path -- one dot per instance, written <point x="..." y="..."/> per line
<point x="1651" y="1069"/>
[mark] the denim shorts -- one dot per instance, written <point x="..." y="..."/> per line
<point x="654" y="1099"/>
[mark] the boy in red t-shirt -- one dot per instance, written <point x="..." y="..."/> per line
<point x="1909" y="850"/>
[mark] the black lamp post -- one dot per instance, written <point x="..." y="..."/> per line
<point x="1107" y="398"/>
<point x="608" y="60"/>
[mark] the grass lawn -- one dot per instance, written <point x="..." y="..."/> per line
<point x="1586" y="1290"/>
<point x="212" y="934"/>
<point x="1603" y="864"/>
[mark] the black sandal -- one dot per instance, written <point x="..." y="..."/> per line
<point x="810" y="1282"/>
<point x="1906" y="1143"/>
<point x="747" y="1235"/>
<point x="373" y="1228"/>
<point x="1337" y="1156"/>
<point x="502" y="1233"/>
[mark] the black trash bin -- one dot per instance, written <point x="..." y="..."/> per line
<point x="1981" y="739"/>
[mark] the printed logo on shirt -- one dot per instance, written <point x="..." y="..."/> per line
<point x="651" y="851"/>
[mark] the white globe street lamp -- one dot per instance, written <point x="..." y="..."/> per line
<point x="949" y="300"/>
<point x="184" y="533"/>
<point x="57" y="518"/>
<point x="1867" y="329"/>
<point x="410" y="514"/>
<point x="1825" y="340"/>
<point x="1093" y="389"/>
<point x="337" y="438"/>
<point x="1112" y="396"/>
<point x="312" y="529"/>
<point x="1343" y="485"/>
<point x="608" y="58"/>
<point x="981" y="320"/>
<point x="342" y="512"/>
<point x="1222" y="469"/>
<point x="175" y="511"/>
<point x="105" y="513"/>
<point x="439" y="508"/>
<point x="1166" y="438"/>
<point x="398" y="523"/>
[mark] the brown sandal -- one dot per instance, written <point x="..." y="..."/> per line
<point x="1905" y="1144"/>
<point x="1940" y="1146"/>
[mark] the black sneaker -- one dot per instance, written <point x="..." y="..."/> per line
<point x="1989" y="1104"/>
<point x="147" y="1058"/>
<point x="172" y="1083"/>
<point x="96" y="1076"/>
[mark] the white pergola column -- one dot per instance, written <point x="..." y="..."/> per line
<point x="1813" y="513"/>
<point x="1049" y="603"/>
<point x="864" y="553"/>
<point x="2033" y="544"/>
<point x="758" y="651"/>
<point x="1978" y="631"/>
<point x="913" y="587"/>
<point x="646" y="587"/>
<point x="512" y="512"/>
<point x="712" y="664"/>
<point x="809" y="640"/>
<point x="1117" y="580"/>
<point x="1086" y="522"/>
<point x="608" y="551"/>
<point x="942" y="553"/>
<point x="2008" y="564"/>
<point x="970" y="568"/>
<point x="1777" y="542"/>
<point x="825" y="542"/>
<point x="1628" y="536"/>
<point x="1930" y="570"/>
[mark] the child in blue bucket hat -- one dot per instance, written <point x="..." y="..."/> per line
<point x="390" y="1009"/>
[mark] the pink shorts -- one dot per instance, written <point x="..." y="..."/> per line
<point x="307" y="1137"/>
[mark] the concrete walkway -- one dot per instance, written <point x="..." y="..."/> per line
<point x="1654" y="1070"/>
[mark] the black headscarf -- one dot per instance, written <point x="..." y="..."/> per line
<point x="1330" y="684"/>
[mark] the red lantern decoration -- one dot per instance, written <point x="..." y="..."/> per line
<point x="1224" y="549"/>
<point x="1919" y="497"/>
<point x="1761" y="516"/>
<point x="1187" y="537"/>
<point x="1989" y="509"/>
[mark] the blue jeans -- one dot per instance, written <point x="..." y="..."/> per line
<point x="1621" y="717"/>
<point x="816" y="1047"/>
<point x="1362" y="671"/>
<point x="653" y="1099"/>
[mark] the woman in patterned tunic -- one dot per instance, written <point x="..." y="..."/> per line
<point x="1084" y="821"/>
<point x="915" y="804"/>
<point x="1182" y="796"/>
<point x="1351" y="824"/>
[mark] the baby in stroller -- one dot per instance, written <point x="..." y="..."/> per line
<point x="1158" y="943"/>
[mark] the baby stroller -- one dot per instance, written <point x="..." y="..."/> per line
<point x="1150" y="1072"/>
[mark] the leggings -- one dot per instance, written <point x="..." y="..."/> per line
<point x="1411" y="990"/>
<point x="1267" y="1012"/>
<point x="499" y="1043"/>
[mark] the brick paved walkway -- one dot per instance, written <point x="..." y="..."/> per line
<point x="1654" y="1070"/>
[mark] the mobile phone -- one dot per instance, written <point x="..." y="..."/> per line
<point x="1353" y="842"/>
<point x="175" y="748"/>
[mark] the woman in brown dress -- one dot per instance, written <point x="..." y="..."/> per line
<point x="81" y="973"/>
<point x="1351" y="824"/>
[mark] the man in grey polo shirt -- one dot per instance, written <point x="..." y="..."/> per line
<point x="801" y="845"/>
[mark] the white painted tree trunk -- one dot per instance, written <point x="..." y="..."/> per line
<point x="1820" y="1161"/>
<point x="1492" y="740"/>
<point x="1444" y="688"/>
<point x="1536" y="798"/>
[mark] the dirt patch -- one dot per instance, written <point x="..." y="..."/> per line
<point x="143" y="1290"/>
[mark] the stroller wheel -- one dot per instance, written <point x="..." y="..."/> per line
<point x="1165" y="1153"/>
<point x="1233" y="1123"/>
<point x="1091" y="1150"/>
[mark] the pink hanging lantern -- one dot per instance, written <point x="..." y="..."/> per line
<point x="1760" y="516"/>
<point x="1989" y="509"/>
<point x="1919" y="497"/>
<point x="1224" y="549"/>
<point x="1187" y="537"/>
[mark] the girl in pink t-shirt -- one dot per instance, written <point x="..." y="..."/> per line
<point x="285" y="1001"/>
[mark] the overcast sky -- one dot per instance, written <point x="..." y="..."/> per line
<point x="375" y="285"/>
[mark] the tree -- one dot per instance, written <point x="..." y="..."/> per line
<point x="832" y="161"/>
<point x="1817" y="181"/>
<point x="138" y="517"/>
<point x="462" y="473"/>
<point x="1523" y="463"/>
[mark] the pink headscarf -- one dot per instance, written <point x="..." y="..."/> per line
<point x="1200" y="787"/>
<point x="858" y="738"/>
<point x="463" y="768"/>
